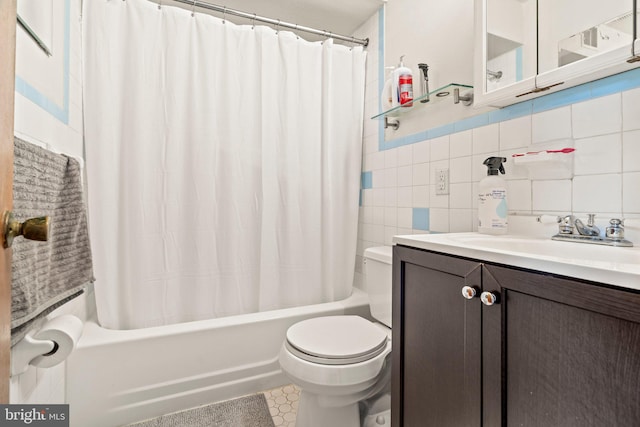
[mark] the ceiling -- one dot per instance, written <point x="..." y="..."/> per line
<point x="337" y="16"/>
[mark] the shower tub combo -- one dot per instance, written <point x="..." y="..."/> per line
<point x="116" y="377"/>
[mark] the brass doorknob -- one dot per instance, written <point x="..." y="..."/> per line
<point x="32" y="229"/>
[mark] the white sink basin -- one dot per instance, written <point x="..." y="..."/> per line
<point x="605" y="264"/>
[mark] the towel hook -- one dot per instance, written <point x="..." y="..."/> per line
<point x="32" y="229"/>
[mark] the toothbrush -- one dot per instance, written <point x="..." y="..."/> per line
<point x="562" y="150"/>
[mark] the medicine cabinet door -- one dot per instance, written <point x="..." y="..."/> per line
<point x="509" y="48"/>
<point x="528" y="48"/>
<point x="583" y="40"/>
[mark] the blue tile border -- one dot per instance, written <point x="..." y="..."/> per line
<point x="60" y="112"/>
<point x="420" y="219"/>
<point x="366" y="180"/>
<point x="595" y="89"/>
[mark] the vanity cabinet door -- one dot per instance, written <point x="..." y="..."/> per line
<point x="559" y="352"/>
<point x="436" y="341"/>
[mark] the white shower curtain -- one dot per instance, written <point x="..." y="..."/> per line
<point x="223" y="164"/>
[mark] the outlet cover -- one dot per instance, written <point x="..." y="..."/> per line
<point x="442" y="181"/>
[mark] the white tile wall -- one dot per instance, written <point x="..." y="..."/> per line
<point x="631" y="109"/>
<point x="515" y="133"/>
<point x="551" y="125"/>
<point x="590" y="158"/>
<point x="631" y="192"/>
<point x="421" y="174"/>
<point x="597" y="193"/>
<point x="486" y="139"/>
<point x="597" y="117"/>
<point x="605" y="132"/>
<point x="439" y="148"/>
<point x="460" y="169"/>
<point x="631" y="150"/>
<point x="554" y="195"/>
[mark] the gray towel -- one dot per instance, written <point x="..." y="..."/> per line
<point x="45" y="275"/>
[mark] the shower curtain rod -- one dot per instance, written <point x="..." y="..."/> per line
<point x="276" y="22"/>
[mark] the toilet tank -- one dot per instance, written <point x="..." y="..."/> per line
<point x="377" y="276"/>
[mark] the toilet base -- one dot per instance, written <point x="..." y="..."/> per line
<point x="382" y="419"/>
<point x="311" y="413"/>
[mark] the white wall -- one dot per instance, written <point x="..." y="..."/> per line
<point x="605" y="131"/>
<point x="438" y="34"/>
<point x="43" y="117"/>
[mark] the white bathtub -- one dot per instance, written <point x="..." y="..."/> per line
<point x="119" y="377"/>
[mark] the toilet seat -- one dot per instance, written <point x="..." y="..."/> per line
<point x="336" y="340"/>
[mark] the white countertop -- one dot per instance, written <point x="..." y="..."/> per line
<point x="605" y="264"/>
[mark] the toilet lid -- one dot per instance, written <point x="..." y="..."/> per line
<point x="336" y="340"/>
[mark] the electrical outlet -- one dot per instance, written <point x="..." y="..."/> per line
<point x="442" y="181"/>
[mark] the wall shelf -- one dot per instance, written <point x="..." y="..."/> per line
<point x="435" y="96"/>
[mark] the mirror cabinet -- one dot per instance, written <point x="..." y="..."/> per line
<point x="528" y="48"/>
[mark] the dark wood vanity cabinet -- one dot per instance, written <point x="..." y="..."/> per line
<point x="550" y="352"/>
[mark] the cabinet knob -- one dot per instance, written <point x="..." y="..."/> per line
<point x="468" y="292"/>
<point x="488" y="298"/>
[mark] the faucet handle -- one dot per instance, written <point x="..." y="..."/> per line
<point x="591" y="220"/>
<point x="565" y="224"/>
<point x="615" y="230"/>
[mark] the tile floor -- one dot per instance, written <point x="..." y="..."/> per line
<point x="283" y="404"/>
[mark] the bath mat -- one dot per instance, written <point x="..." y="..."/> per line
<point x="248" y="411"/>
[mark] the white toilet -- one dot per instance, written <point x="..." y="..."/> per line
<point x="339" y="361"/>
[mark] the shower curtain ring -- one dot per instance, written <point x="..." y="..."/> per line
<point x="278" y="27"/>
<point x="193" y="9"/>
<point x="224" y="15"/>
<point x="160" y="5"/>
<point x="296" y="31"/>
<point x="253" y="22"/>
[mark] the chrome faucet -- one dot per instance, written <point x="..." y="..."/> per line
<point x="567" y="223"/>
<point x="589" y="232"/>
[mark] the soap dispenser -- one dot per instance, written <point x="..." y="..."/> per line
<point x="492" y="198"/>
<point x="403" y="85"/>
